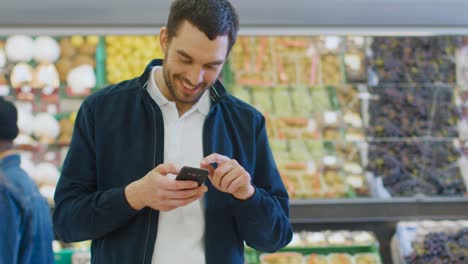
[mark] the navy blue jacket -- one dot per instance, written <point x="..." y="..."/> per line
<point x="119" y="137"/>
<point x="25" y="222"/>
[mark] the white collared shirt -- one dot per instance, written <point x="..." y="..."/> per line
<point x="181" y="232"/>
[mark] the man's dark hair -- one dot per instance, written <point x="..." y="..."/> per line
<point x="213" y="17"/>
<point x="8" y="120"/>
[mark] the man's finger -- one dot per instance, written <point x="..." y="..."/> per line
<point x="229" y="178"/>
<point x="182" y="202"/>
<point x="165" y="169"/>
<point x="175" y="185"/>
<point x="236" y="184"/>
<point x="210" y="169"/>
<point x="225" y="168"/>
<point x="214" y="158"/>
<point x="184" y="194"/>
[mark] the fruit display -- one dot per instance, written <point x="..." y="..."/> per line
<point x="327" y="247"/>
<point x="282" y="102"/>
<point x="316" y="259"/>
<point x="351" y="155"/>
<point x="433" y="241"/>
<point x="281" y="258"/>
<point x="46" y="77"/>
<point x="340" y="258"/>
<point x="334" y="258"/>
<point x="252" y="62"/>
<point x="409" y="168"/>
<point x="331" y="69"/>
<point x="333" y="115"/>
<point x="4" y="85"/>
<point x="127" y="56"/>
<point x="463" y="109"/>
<point x="413" y="111"/>
<point x="462" y="63"/>
<point x="366" y="258"/>
<point x="261" y="98"/>
<point x="413" y="60"/>
<point x="242" y="93"/>
<point x="440" y="247"/>
<point x="350" y="104"/>
<point x="303" y="102"/>
<point x="332" y="238"/>
<point x="270" y="61"/>
<point x="77" y="63"/>
<point x="320" y="169"/>
<point x="317" y="169"/>
<point x="41" y="70"/>
<point x="355" y="59"/>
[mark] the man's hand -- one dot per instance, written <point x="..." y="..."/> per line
<point x="229" y="176"/>
<point x="162" y="193"/>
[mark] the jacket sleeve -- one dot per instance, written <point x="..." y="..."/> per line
<point x="263" y="220"/>
<point x="82" y="212"/>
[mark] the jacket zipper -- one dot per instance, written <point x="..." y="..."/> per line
<point x="154" y="163"/>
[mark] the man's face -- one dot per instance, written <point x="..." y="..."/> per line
<point x="192" y="62"/>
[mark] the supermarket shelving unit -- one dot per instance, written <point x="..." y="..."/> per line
<point x="364" y="17"/>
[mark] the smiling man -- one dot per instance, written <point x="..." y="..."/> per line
<point x="118" y="184"/>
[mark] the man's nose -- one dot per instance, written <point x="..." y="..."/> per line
<point x="196" y="75"/>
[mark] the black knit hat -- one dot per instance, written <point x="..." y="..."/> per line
<point x="8" y="120"/>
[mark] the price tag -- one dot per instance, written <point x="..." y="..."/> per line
<point x="48" y="90"/>
<point x="332" y="42"/>
<point x="353" y="62"/>
<point x="330" y="117"/>
<point x="50" y="156"/>
<point x="311" y="168"/>
<point x="364" y="96"/>
<point x="355" y="181"/>
<point x="311" y="125"/>
<point x="316" y="237"/>
<point x="26" y="89"/>
<point x="329" y="160"/>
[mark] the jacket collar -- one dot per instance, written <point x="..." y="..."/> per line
<point x="217" y="90"/>
<point x="10" y="160"/>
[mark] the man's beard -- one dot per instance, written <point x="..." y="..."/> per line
<point x="170" y="84"/>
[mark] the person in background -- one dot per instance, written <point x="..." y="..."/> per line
<point x="117" y="186"/>
<point x="25" y="217"/>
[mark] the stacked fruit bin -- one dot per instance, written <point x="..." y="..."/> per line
<point x="430" y="242"/>
<point x="413" y="126"/>
<point x="314" y="118"/>
<point x="327" y="247"/>
<point x="47" y="78"/>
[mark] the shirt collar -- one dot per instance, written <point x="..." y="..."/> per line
<point x="204" y="103"/>
<point x="153" y="89"/>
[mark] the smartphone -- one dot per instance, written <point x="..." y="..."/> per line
<point x="192" y="174"/>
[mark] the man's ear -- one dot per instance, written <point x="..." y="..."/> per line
<point x="164" y="39"/>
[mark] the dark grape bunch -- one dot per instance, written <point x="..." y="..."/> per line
<point x="410" y="168"/>
<point x="413" y="111"/>
<point x="441" y="248"/>
<point x="414" y="60"/>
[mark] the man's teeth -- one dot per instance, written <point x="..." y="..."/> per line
<point x="188" y="85"/>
